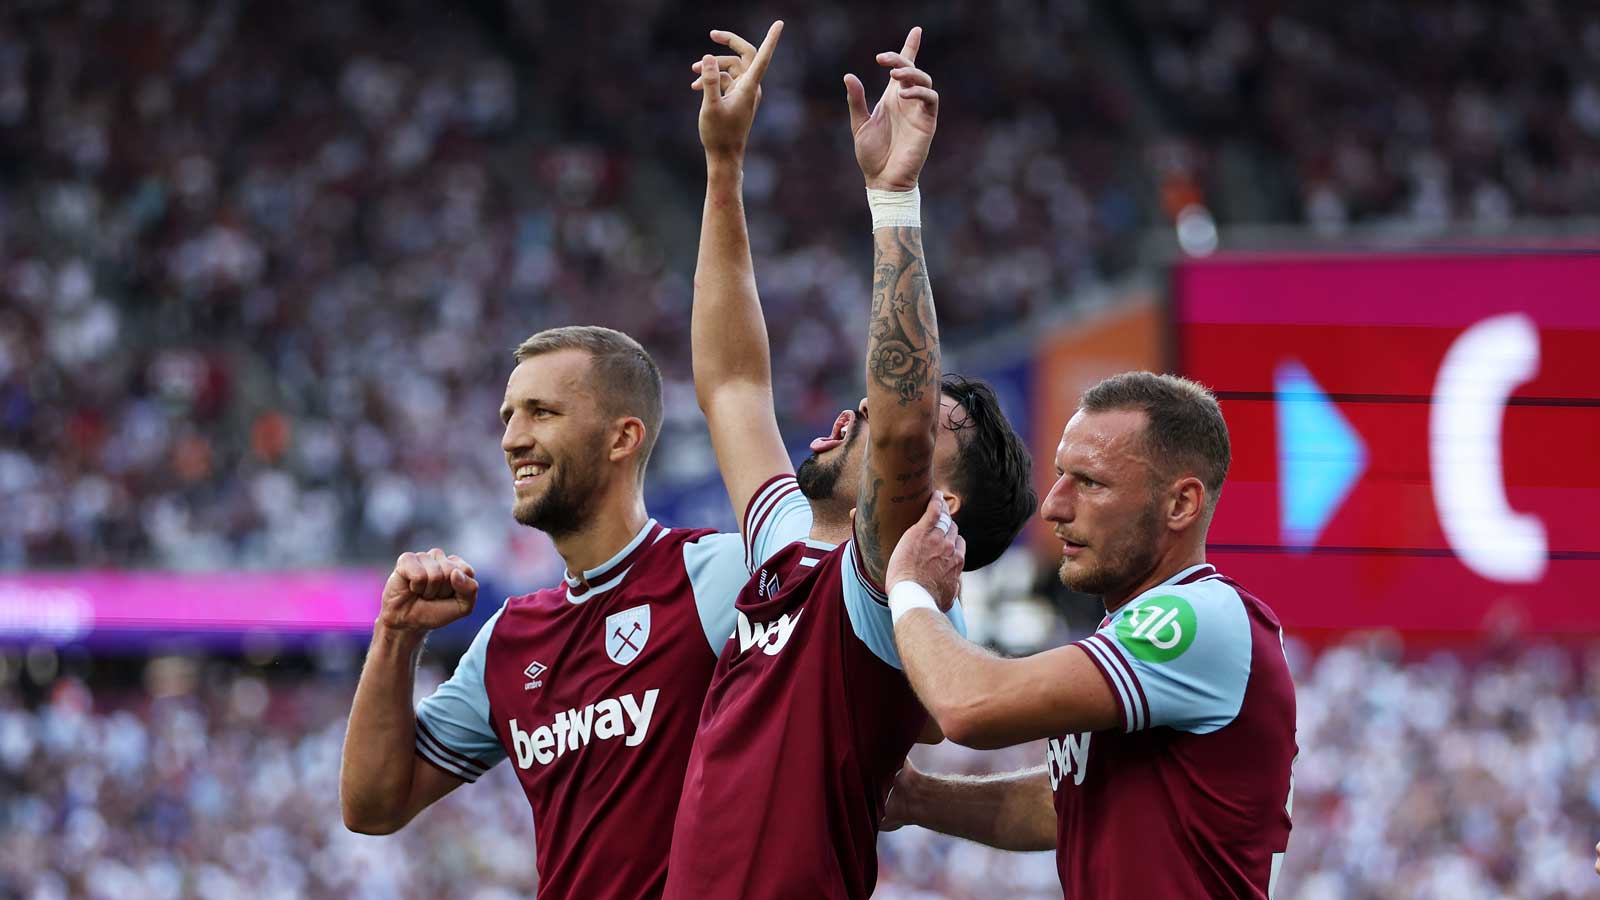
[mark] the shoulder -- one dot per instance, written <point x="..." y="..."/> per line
<point x="543" y="598"/>
<point x="1164" y="623"/>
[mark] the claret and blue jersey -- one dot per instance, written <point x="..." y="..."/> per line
<point x="807" y="720"/>
<point x="593" y="689"/>
<point x="1198" y="777"/>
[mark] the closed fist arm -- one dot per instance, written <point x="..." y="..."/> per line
<point x="427" y="591"/>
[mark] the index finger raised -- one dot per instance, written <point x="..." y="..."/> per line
<point x="913" y="43"/>
<point x="763" y="58"/>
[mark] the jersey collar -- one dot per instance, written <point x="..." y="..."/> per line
<point x="610" y="573"/>
<point x="1190" y="575"/>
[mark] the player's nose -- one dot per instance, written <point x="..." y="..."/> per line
<point x="861" y="408"/>
<point x="516" y="438"/>
<point x="1057" y="505"/>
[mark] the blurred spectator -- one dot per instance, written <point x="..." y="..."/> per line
<point x="261" y="264"/>
<point x="1429" y="779"/>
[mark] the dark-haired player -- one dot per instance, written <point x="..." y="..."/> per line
<point x="808" y="715"/>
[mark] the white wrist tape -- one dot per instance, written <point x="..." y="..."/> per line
<point x="895" y="209"/>
<point x="908" y="595"/>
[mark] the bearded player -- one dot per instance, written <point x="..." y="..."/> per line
<point x="808" y="715"/>
<point x="592" y="687"/>
<point x="1171" y="730"/>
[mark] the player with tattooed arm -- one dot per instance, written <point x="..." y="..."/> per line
<point x="808" y="715"/>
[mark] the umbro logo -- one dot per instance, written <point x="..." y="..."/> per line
<point x="533" y="671"/>
<point x="769" y="585"/>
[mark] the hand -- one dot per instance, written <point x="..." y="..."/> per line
<point x="930" y="553"/>
<point x="730" y="91"/>
<point x="892" y="142"/>
<point x="427" y="591"/>
<point x="897" y="810"/>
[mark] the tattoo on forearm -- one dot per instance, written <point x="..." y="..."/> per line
<point x="903" y="352"/>
<point x="867" y="540"/>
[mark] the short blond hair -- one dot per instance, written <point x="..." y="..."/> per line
<point x="1184" y="428"/>
<point x="625" y="379"/>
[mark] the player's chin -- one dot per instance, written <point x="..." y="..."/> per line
<point x="1075" y="572"/>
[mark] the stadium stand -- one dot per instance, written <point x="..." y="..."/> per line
<point x="262" y="267"/>
<point x="1428" y="778"/>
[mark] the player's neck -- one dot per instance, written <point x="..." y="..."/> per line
<point x="829" y="527"/>
<point x="606" y="533"/>
<point x="1167" y="565"/>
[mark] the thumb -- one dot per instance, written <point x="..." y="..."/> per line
<point x="856" y="96"/>
<point x="936" y="508"/>
<point x="465" y="586"/>
<point x="710" y="82"/>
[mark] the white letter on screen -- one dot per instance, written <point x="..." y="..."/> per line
<point x="1484" y="365"/>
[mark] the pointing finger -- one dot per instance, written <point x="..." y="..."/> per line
<point x="913" y="44"/>
<point x="763" y="57"/>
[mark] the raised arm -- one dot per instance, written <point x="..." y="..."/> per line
<point x="891" y="145"/>
<point x="732" y="360"/>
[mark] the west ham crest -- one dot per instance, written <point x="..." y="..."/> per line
<point x="626" y="633"/>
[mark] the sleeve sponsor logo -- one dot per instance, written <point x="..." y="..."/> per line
<point x="1159" y="630"/>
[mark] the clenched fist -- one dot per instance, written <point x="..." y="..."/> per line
<point x="427" y="591"/>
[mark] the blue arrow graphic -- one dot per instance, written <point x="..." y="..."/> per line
<point x="1320" y="457"/>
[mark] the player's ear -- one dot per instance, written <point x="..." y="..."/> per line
<point x="1186" y="503"/>
<point x="951" y="501"/>
<point x="627" y="438"/>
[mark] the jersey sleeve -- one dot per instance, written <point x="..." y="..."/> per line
<point x="1176" y="656"/>
<point x="453" y="730"/>
<point x="778" y="516"/>
<point x="717" y="573"/>
<point x="868" y="608"/>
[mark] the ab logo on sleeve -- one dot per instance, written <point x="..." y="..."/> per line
<point x="1159" y="630"/>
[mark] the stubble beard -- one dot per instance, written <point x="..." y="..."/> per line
<point x="561" y="509"/>
<point x="819" y="479"/>
<point x="1123" y="561"/>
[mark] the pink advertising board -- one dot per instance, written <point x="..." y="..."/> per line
<point x="112" y="606"/>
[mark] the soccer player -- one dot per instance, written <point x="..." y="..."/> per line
<point x="808" y="714"/>
<point x="592" y="687"/>
<point x="1171" y="729"/>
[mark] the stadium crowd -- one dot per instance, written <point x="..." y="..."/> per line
<point x="263" y="263"/>
<point x="1422" y="779"/>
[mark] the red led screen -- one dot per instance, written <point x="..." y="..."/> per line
<point x="1416" y="439"/>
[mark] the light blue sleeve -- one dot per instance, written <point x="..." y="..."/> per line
<point x="1177" y="656"/>
<point x="716" y="575"/>
<point x="869" y="611"/>
<point x="778" y="516"/>
<point x="453" y="730"/>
